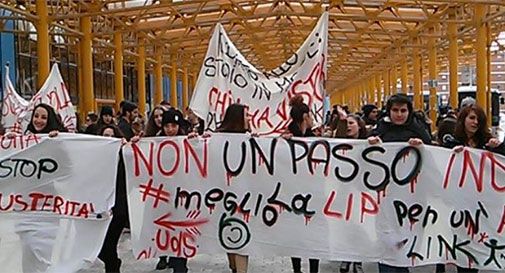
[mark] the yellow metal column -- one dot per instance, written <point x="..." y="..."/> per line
<point x="173" y="83"/>
<point x="141" y="77"/>
<point x="417" y="85"/>
<point x="378" y="87"/>
<point x="118" y="69"/>
<point x="87" y="89"/>
<point x="158" y="77"/>
<point x="42" y="42"/>
<point x="452" y="31"/>
<point x="371" y="90"/>
<point x="405" y="77"/>
<point x="432" y="71"/>
<point x="387" y="86"/>
<point x="481" y="57"/>
<point x="394" y="81"/>
<point x="185" y="88"/>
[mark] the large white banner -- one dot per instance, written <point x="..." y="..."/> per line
<point x="13" y="106"/>
<point x="17" y="112"/>
<point x="55" y="201"/>
<point x="331" y="199"/>
<point x="226" y="77"/>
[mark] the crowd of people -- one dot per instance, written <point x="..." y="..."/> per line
<point x="397" y="122"/>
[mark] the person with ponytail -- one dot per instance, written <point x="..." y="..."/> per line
<point x="301" y="119"/>
<point x="300" y="126"/>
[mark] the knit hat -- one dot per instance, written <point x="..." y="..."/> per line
<point x="367" y="109"/>
<point x="106" y="110"/>
<point x="171" y="116"/>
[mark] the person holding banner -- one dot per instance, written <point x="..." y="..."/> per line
<point x="45" y="121"/>
<point x="300" y="126"/>
<point x="355" y="129"/>
<point x="120" y="220"/>
<point x="399" y="125"/>
<point x="472" y="131"/>
<point x="153" y="127"/>
<point x="38" y="235"/>
<point x="171" y="126"/>
<point x="236" y="121"/>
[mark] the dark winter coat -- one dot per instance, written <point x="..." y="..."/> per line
<point x="389" y="132"/>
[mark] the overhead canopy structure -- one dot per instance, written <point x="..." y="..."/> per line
<point x="366" y="37"/>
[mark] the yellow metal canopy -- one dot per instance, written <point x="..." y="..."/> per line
<point x="365" y="36"/>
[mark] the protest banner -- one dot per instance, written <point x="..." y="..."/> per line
<point x="12" y="107"/>
<point x="55" y="93"/>
<point x="324" y="198"/>
<point x="17" y="112"/>
<point x="54" y="211"/>
<point x="226" y="77"/>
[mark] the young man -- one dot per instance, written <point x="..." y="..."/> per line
<point x="129" y="111"/>
<point x="399" y="125"/>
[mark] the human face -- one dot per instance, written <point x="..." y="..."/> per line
<point x="107" y="119"/>
<point x="40" y="117"/>
<point x="471" y="123"/>
<point x="352" y="127"/>
<point x="399" y="113"/>
<point x="108" y="132"/>
<point x="373" y="115"/>
<point x="133" y="114"/>
<point x="158" y="116"/>
<point x="171" y="129"/>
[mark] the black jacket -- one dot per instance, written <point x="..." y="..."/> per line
<point x="389" y="132"/>
<point x="297" y="132"/>
<point x="121" y="204"/>
<point x="125" y="128"/>
<point x="449" y="141"/>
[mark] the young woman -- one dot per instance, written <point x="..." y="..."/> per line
<point x="301" y="119"/>
<point x="300" y="126"/>
<point x="106" y="118"/>
<point x="153" y="127"/>
<point x="356" y="129"/>
<point x="108" y="253"/>
<point x="38" y="235"/>
<point x="236" y="121"/>
<point x="45" y="121"/>
<point x="171" y="126"/>
<point x="472" y="131"/>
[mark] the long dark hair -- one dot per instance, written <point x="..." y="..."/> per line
<point x="151" y="128"/>
<point x="117" y="131"/>
<point x="53" y="122"/>
<point x="233" y="121"/>
<point x="482" y="136"/>
<point x="298" y="109"/>
<point x="361" y="124"/>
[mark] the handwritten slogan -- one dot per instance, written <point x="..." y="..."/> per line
<point x="342" y="200"/>
<point x="54" y="212"/>
<point x="17" y="112"/>
<point x="226" y="77"/>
